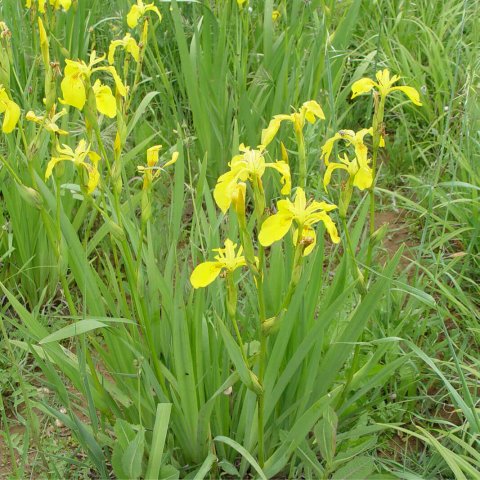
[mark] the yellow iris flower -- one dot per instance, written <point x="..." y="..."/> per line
<point x="152" y="170"/>
<point x="359" y="171"/>
<point x="56" y="4"/>
<point x="249" y="165"/>
<point x="227" y="259"/>
<point x="139" y="10"/>
<point x="77" y="81"/>
<point x="79" y="158"/>
<point x="10" y="110"/>
<point x="309" y="112"/>
<point x="304" y="215"/>
<point x="128" y="43"/>
<point x="49" y="123"/>
<point x="355" y="139"/>
<point x="384" y="86"/>
<point x="276" y="15"/>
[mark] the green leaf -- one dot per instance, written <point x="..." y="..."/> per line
<point x="132" y="460"/>
<point x="242" y="451"/>
<point x="83" y="326"/>
<point x="160" y="429"/>
<point x="358" y="468"/>
<point x="326" y="434"/>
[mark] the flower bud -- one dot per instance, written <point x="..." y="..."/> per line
<point x="31" y="196"/>
<point x="238" y="202"/>
<point x="271" y="325"/>
<point x="44" y="44"/>
<point x="254" y="384"/>
<point x="117" y="230"/>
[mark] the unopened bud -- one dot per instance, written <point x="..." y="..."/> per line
<point x="271" y="325"/>
<point x="43" y="43"/>
<point x="238" y="202"/>
<point x="254" y="384"/>
<point x="116" y="230"/>
<point x="31" y="196"/>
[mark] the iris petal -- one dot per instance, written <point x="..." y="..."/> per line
<point x="73" y="90"/>
<point x="364" y="85"/>
<point x="205" y="273"/>
<point x="106" y="103"/>
<point x="274" y="228"/>
<point x="12" y="114"/>
<point x="411" y="93"/>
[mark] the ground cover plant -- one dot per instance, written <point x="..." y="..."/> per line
<point x="240" y="239"/>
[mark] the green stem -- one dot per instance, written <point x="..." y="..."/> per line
<point x="232" y="312"/>
<point x="377" y="135"/>
<point x="302" y="160"/>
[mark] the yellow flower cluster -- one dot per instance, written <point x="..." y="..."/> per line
<point x="250" y="165"/>
<point x="83" y="88"/>
<point x="384" y="87"/>
<point x="55" y="4"/>
<point x="76" y="85"/>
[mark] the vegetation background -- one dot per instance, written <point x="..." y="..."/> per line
<point x="213" y="76"/>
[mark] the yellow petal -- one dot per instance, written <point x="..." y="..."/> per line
<point x="152" y="155"/>
<point x="364" y="85"/>
<point x="331" y="228"/>
<point x="152" y="8"/>
<point x="111" y="50"/>
<point x="12" y="114"/>
<point x="224" y="190"/>
<point x="94" y="157"/>
<point x="122" y="90"/>
<point x="174" y="158"/>
<point x="132" y="47"/>
<point x="363" y="178"/>
<point x="106" y="103"/>
<point x="328" y="172"/>
<point x="312" y="110"/>
<point x="275" y="228"/>
<point x="51" y="164"/>
<point x="286" y="179"/>
<point x="93" y="176"/>
<point x="205" y="273"/>
<point x="73" y="90"/>
<point x="328" y="147"/>
<point x="411" y="93"/>
<point x="309" y="237"/>
<point x="133" y="16"/>
<point x="43" y="42"/>
<point x="268" y="134"/>
<point x="65" y="4"/>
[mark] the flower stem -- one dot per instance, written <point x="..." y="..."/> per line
<point x="377" y="135"/>
<point x="302" y="161"/>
